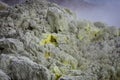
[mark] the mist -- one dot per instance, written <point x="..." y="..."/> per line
<point x="106" y="11"/>
<point x="12" y="2"/>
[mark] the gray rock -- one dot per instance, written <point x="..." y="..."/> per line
<point x="9" y="44"/>
<point x="23" y="68"/>
<point x="40" y="40"/>
<point x="3" y="76"/>
<point x="3" y="6"/>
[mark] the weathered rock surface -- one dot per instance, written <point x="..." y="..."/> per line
<point x="40" y="40"/>
<point x="3" y="6"/>
<point x="22" y="68"/>
<point x="3" y="76"/>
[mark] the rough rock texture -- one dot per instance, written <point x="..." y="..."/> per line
<point x="40" y="40"/>
<point x="3" y="76"/>
<point x="3" y="6"/>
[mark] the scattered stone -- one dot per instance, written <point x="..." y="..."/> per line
<point x="40" y="40"/>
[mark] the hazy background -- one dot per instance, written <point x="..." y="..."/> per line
<point x="107" y="11"/>
<point x="12" y="2"/>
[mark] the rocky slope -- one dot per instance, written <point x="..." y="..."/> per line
<point x="40" y="40"/>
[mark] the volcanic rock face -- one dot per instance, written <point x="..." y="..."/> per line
<point x="40" y="40"/>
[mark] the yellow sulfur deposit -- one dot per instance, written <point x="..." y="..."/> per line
<point x="51" y="39"/>
<point x="48" y="55"/>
